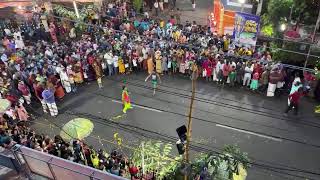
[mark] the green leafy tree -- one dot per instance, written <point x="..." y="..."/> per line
<point x="156" y="157"/>
<point x="317" y="69"/>
<point x="278" y="12"/>
<point x="276" y="9"/>
<point x="267" y="30"/>
<point x="230" y="164"/>
<point x="84" y="13"/>
<point x="287" y="11"/>
<point x="305" y="11"/>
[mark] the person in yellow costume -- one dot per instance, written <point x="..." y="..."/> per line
<point x="122" y="68"/>
<point x="161" y="23"/>
<point x="226" y="43"/>
<point x="158" y="57"/>
<point x="125" y="99"/>
<point x="94" y="159"/>
<point x="180" y="54"/>
<point x="176" y="35"/>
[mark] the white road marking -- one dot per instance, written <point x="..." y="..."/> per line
<point x="249" y="132"/>
<point x="143" y="107"/>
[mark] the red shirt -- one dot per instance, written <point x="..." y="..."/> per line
<point x="295" y="97"/>
<point x="13" y="99"/>
<point x="38" y="91"/>
<point x="226" y="69"/>
<point x="23" y="89"/>
<point x="172" y="21"/>
<point x="133" y="170"/>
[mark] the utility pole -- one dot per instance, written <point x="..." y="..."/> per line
<point x="194" y="77"/>
<point x="242" y="7"/>
<point x="290" y="15"/>
<point x="312" y="40"/>
<point x="259" y="8"/>
<point x="242" y="2"/>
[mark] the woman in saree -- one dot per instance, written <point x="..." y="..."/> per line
<point x="122" y="68"/>
<point x="78" y="73"/>
<point x="55" y="83"/>
<point x="150" y="64"/>
<point x="158" y="61"/>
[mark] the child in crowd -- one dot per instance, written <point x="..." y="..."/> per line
<point x="254" y="82"/>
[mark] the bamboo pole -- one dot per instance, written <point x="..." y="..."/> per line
<point x="193" y="78"/>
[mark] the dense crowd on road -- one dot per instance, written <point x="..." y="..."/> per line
<point x="43" y="64"/>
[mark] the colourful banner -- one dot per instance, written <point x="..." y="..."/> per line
<point x="246" y="29"/>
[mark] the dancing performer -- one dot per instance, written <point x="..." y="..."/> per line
<point x="154" y="80"/>
<point x="125" y="99"/>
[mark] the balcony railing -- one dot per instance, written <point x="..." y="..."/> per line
<point x="30" y="162"/>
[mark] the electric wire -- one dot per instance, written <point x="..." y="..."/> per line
<point x="194" y="145"/>
<point x="126" y="127"/>
<point x="200" y="147"/>
<point x="224" y="124"/>
<point x="226" y="105"/>
<point x="315" y="173"/>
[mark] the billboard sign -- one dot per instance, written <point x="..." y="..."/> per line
<point x="246" y="29"/>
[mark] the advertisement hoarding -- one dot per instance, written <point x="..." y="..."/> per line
<point x="246" y="29"/>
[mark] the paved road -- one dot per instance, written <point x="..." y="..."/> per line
<point x="202" y="10"/>
<point x="221" y="116"/>
<point x="199" y="14"/>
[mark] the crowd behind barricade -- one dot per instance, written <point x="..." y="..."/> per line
<point x="12" y="132"/>
<point x="39" y="65"/>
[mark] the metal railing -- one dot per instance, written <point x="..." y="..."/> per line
<point x="32" y="162"/>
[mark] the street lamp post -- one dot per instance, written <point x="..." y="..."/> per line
<point x="76" y="9"/>
<point x="242" y="2"/>
<point x="259" y="8"/>
<point x="283" y="27"/>
<point x="312" y="41"/>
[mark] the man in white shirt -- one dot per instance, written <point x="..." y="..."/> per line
<point x="219" y="72"/>
<point x="247" y="75"/>
<point x="19" y="43"/>
<point x="156" y="6"/>
<point x="17" y="35"/>
<point x="115" y="64"/>
<point x="109" y="58"/>
<point x="65" y="80"/>
<point x="48" y="52"/>
<point x="123" y="38"/>
<point x="145" y="50"/>
<point x="7" y="31"/>
<point x="95" y="46"/>
<point x="4" y="58"/>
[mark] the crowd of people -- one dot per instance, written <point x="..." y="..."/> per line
<point x="12" y="132"/>
<point x="42" y="64"/>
